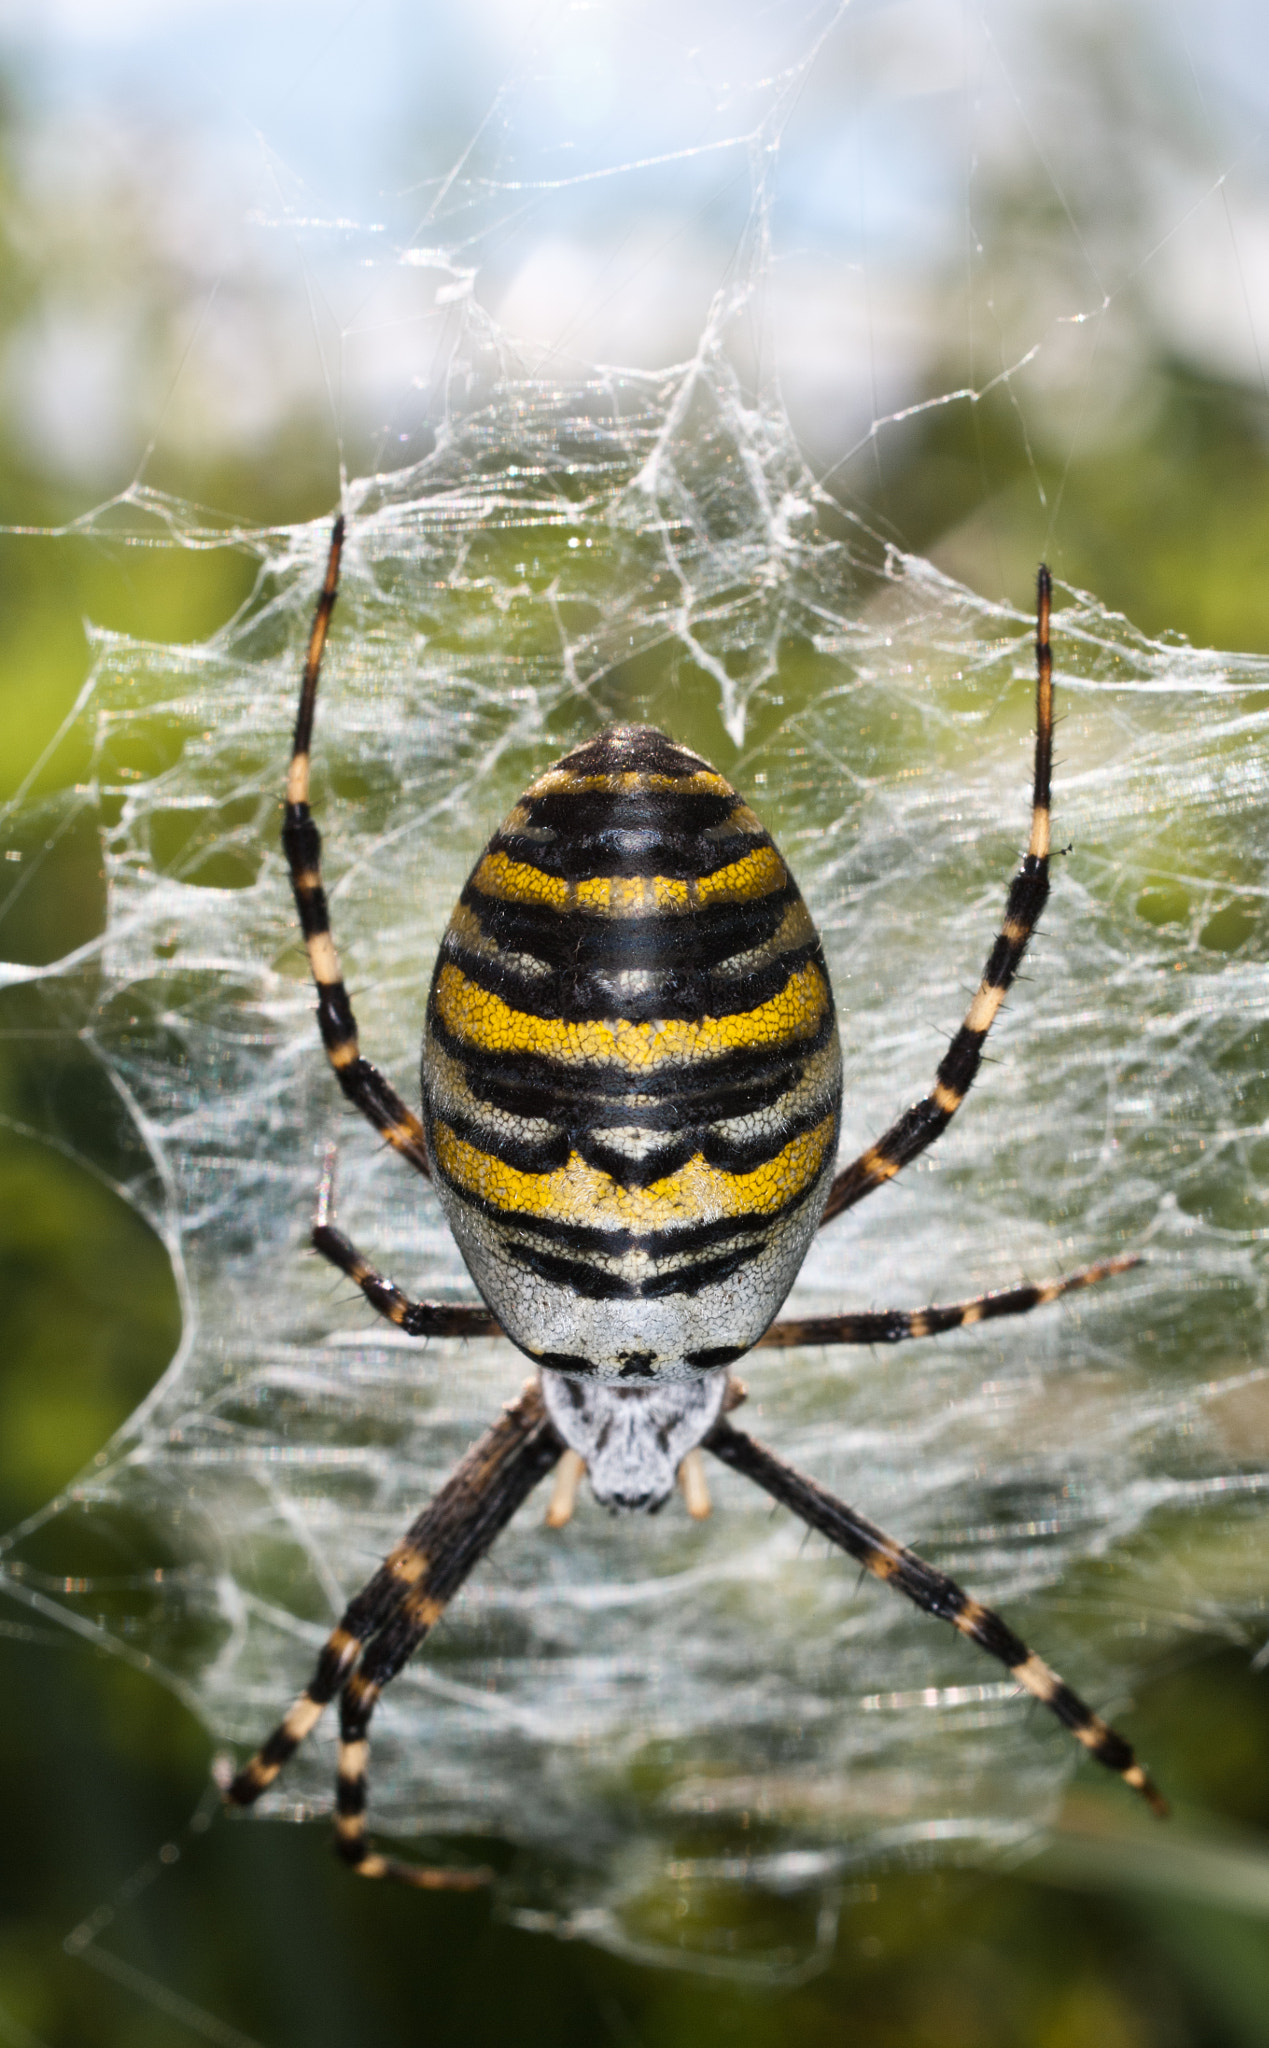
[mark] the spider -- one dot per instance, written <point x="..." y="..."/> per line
<point x="631" y="1095"/>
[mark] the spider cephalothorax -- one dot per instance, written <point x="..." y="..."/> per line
<point x="632" y="1442"/>
<point x="631" y="1089"/>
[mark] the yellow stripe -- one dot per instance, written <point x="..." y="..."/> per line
<point x="633" y="896"/>
<point x="1035" y="1675"/>
<point x="406" y="1564"/>
<point x="972" y="1616"/>
<point x="303" y="1717"/>
<point x="758" y="874"/>
<point x="877" y="1165"/>
<point x="519" y="883"/>
<point x="323" y="959"/>
<point x="982" y="1011"/>
<point x="633" y="782"/>
<point x="482" y="1019"/>
<point x="579" y="1193"/>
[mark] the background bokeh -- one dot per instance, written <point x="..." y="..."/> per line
<point x="1015" y="273"/>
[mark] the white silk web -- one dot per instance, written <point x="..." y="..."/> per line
<point x="658" y="1711"/>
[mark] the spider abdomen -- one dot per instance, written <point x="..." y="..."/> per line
<point x="631" y="1075"/>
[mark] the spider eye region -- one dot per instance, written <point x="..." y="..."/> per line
<point x="631" y="1072"/>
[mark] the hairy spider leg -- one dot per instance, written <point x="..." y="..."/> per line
<point x="389" y="1618"/>
<point x="366" y="1088"/>
<point x="1028" y="894"/>
<point x="440" y="1550"/>
<point x="893" y="1325"/>
<point x="934" y="1592"/>
<point x="416" y="1318"/>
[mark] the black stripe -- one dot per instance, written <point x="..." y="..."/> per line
<point x="682" y="995"/>
<point x="526" y="1155"/>
<point x="576" y="1109"/>
<point x="961" y="1061"/>
<point x="302" y="845"/>
<point x="632" y="853"/>
<point x="350" y="1795"/>
<point x="917" y="1127"/>
<point x="313" y="910"/>
<point x="730" y="1155"/>
<point x="333" y="1667"/>
<point x="1111" y="1749"/>
<point x="547" y="1155"/>
<point x="701" y="937"/>
<point x="742" y="1155"/>
<point x="633" y="749"/>
<point x="1028" y="894"/>
<point x="989" y="1631"/>
<point x="658" y="1244"/>
<point x="695" y="1087"/>
<point x="559" y="1361"/>
<point x="595" y="1283"/>
<point x="595" y="814"/>
<point x="651" y="1166"/>
<point x="277" y="1750"/>
<point x="338" y="1027"/>
<point x="355" y="1710"/>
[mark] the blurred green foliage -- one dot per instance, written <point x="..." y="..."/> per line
<point x="1167" y="524"/>
<point x="1167" y="519"/>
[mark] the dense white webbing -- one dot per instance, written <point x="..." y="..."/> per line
<point x="617" y="1696"/>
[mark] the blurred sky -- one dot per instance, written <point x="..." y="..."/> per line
<point x="244" y="211"/>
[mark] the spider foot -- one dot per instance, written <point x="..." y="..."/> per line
<point x="367" y="1862"/>
<point x="352" y="1848"/>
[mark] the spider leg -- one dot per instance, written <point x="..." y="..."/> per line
<point x="932" y="1591"/>
<point x="892" y="1325"/>
<point x="394" y="1611"/>
<point x="366" y="1088"/>
<point x="929" y="1118"/>
<point x="416" y="1318"/>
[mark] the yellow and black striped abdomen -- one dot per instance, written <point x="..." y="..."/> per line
<point x="631" y="1076"/>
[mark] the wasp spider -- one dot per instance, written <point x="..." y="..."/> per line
<point x="631" y="1096"/>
